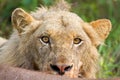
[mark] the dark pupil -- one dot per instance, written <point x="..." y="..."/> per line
<point x="45" y="39"/>
<point x="77" y="40"/>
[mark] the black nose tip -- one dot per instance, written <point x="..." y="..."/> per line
<point x="61" y="69"/>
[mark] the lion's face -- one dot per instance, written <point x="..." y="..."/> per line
<point x="60" y="42"/>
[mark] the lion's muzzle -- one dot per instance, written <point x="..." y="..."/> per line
<point x="61" y="69"/>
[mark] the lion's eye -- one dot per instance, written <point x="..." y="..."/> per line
<point x="77" y="41"/>
<point x="45" y="39"/>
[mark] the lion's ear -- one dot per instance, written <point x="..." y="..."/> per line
<point x="102" y="27"/>
<point x="98" y="30"/>
<point x="20" y="19"/>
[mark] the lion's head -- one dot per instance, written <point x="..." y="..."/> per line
<point x="59" y="41"/>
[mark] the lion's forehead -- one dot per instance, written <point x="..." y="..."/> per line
<point x="61" y="21"/>
<point x="61" y="17"/>
<point x="59" y="31"/>
<point x="57" y="14"/>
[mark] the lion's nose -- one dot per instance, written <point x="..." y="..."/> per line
<point x="61" y="69"/>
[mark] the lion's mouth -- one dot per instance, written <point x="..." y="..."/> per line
<point x="71" y="73"/>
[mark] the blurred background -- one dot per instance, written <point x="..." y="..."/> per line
<point x="88" y="10"/>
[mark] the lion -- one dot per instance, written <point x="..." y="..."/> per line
<point x="55" y="41"/>
<point x="2" y="41"/>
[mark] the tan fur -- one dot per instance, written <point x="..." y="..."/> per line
<point x="25" y="48"/>
<point x="2" y="41"/>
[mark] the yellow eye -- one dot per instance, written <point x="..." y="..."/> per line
<point x="77" y="41"/>
<point x="45" y="39"/>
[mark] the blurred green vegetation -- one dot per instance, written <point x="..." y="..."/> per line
<point x="88" y="10"/>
